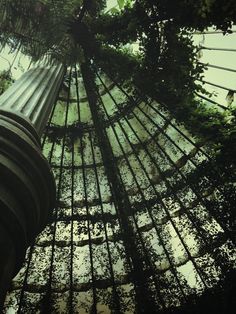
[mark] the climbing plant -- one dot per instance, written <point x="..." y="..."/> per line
<point x="5" y="81"/>
<point x="164" y="65"/>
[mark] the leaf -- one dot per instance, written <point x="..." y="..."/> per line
<point x="230" y="97"/>
<point x="113" y="10"/>
<point x="121" y="3"/>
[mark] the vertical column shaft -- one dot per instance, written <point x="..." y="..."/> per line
<point x="27" y="186"/>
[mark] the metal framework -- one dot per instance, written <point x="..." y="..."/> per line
<point x="138" y="224"/>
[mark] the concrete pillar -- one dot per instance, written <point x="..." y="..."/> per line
<point x="27" y="187"/>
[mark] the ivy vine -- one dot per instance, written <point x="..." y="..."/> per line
<point x="164" y="67"/>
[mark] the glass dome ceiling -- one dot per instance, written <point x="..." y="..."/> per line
<point x="92" y="250"/>
<point x="141" y="219"/>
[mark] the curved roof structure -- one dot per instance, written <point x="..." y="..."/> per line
<point x="144" y="216"/>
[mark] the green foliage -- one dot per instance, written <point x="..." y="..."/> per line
<point x="121" y="3"/>
<point x="116" y="29"/>
<point x="119" y="6"/>
<point x="5" y="81"/>
<point x="165" y="67"/>
<point x="197" y="14"/>
<point x="41" y="28"/>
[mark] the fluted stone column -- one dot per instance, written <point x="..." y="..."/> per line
<point x="27" y="187"/>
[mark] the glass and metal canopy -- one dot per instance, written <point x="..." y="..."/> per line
<point x="136" y="211"/>
<point x="141" y="221"/>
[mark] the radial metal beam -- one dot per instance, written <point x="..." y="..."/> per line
<point x="133" y="247"/>
<point x="217" y="49"/>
